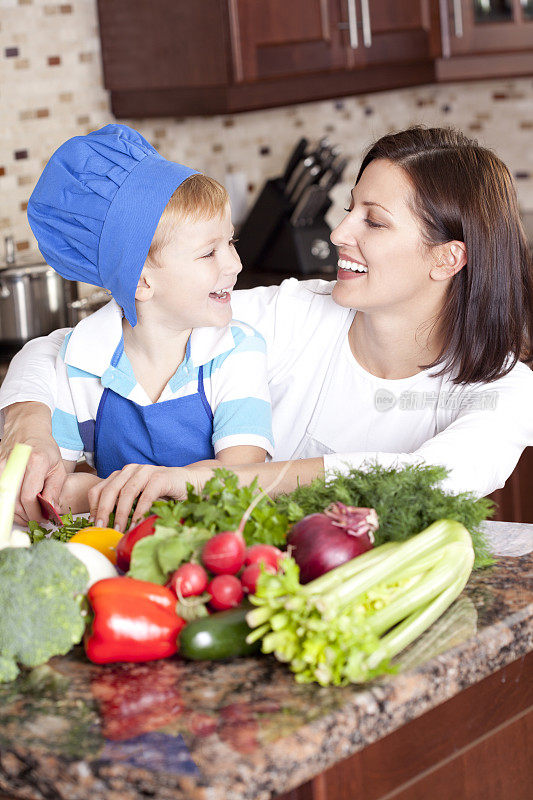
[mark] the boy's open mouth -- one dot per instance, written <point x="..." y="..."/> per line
<point x="222" y="296"/>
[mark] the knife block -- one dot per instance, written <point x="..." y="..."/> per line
<point x="269" y="242"/>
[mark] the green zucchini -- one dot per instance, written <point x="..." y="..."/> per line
<point x="220" y="635"/>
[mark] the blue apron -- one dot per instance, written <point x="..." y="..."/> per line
<point x="172" y="433"/>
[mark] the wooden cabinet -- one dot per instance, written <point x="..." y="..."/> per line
<point x="484" y="38"/>
<point x="277" y="39"/>
<point x="176" y="57"/>
<point x="514" y="501"/>
<point x="394" y="33"/>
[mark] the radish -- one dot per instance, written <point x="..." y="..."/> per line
<point x="224" y="553"/>
<point x="321" y="542"/>
<point x="189" y="580"/>
<point x="251" y="573"/>
<point x="226" y="592"/>
<point x="263" y="553"/>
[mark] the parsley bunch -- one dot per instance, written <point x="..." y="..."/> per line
<point x="407" y="500"/>
<point x="220" y="507"/>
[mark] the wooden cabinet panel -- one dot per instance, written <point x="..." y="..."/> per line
<point x="159" y="44"/>
<point x="464" y="33"/>
<point x="280" y="38"/>
<point x="400" y="32"/>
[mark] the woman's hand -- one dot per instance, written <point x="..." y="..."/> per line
<point x="144" y="481"/>
<point x="30" y="423"/>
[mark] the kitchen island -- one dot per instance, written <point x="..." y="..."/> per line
<point x="455" y="722"/>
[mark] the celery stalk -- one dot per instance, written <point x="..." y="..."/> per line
<point x="446" y="571"/>
<point x="10" y="481"/>
<point x="437" y="534"/>
<point x="412" y="627"/>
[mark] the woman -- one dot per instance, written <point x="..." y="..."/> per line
<point x="414" y="354"/>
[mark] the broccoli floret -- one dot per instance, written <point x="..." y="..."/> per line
<point x="41" y="590"/>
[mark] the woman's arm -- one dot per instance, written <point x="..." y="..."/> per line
<point x="27" y="397"/>
<point x="480" y="447"/>
<point x="31" y="375"/>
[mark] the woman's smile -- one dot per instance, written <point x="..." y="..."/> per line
<point x="348" y="268"/>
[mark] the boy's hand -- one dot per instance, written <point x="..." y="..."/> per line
<point x="144" y="481"/>
<point x="75" y="492"/>
<point x="30" y="423"/>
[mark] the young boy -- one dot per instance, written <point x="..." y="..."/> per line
<point x="160" y="375"/>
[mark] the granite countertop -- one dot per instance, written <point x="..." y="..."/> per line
<point x="244" y="730"/>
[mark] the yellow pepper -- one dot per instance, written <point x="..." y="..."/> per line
<point x="103" y="539"/>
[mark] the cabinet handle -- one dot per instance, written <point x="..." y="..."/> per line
<point x="367" y="30"/>
<point x="458" y="18"/>
<point x="352" y="24"/>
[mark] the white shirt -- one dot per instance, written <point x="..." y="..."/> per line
<point x="325" y="404"/>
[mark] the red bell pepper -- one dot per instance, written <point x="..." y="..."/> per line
<point x="146" y="527"/>
<point x="133" y="621"/>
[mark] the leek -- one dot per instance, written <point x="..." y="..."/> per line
<point x="10" y="481"/>
<point x="347" y="625"/>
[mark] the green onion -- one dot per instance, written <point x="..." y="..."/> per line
<point x="10" y="481"/>
<point x="347" y="625"/>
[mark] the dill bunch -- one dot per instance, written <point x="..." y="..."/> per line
<point x="406" y="499"/>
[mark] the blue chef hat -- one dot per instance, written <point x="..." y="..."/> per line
<point x="96" y="206"/>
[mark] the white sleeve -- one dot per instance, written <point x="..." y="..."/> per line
<point x="482" y="445"/>
<point x="32" y="373"/>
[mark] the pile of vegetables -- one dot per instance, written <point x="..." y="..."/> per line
<point x="348" y="624"/>
<point x="205" y="575"/>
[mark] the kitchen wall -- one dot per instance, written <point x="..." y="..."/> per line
<point x="51" y="88"/>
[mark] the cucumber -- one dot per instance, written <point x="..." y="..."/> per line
<point x="220" y="635"/>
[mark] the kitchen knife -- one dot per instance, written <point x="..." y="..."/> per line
<point x="48" y="510"/>
<point x="334" y="174"/>
<point x="297" y="173"/>
<point x="296" y="156"/>
<point x="308" y="177"/>
<point x="311" y="202"/>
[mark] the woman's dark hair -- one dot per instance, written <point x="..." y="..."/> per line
<point x="464" y="192"/>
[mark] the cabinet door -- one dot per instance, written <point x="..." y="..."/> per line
<point x="486" y="26"/>
<point x="393" y="32"/>
<point x="159" y="44"/>
<point x="284" y="38"/>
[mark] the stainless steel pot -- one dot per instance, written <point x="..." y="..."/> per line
<point x="33" y="302"/>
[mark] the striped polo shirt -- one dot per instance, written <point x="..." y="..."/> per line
<point x="234" y="376"/>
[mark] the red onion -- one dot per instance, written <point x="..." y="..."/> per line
<point x="320" y="542"/>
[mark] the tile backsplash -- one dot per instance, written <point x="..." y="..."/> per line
<point x="51" y="88"/>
